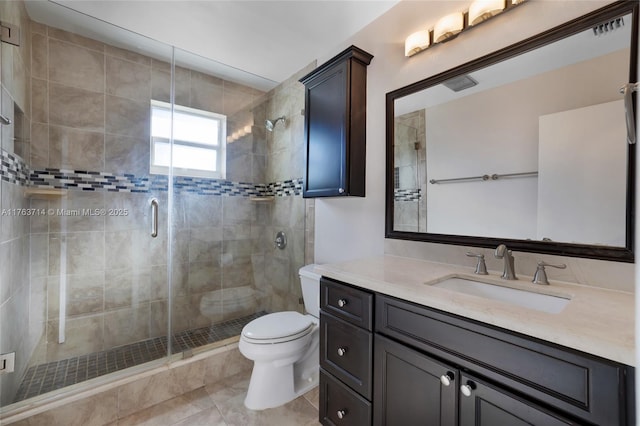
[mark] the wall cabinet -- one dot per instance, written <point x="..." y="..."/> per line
<point x="335" y="126"/>
<point x="434" y="368"/>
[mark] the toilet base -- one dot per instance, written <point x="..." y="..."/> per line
<point x="271" y="386"/>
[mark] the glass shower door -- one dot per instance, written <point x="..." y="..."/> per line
<point x="92" y="296"/>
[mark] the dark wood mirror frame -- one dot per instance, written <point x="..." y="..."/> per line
<point x="619" y="254"/>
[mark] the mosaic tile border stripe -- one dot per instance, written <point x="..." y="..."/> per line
<point x="13" y="169"/>
<point x="103" y="181"/>
<point x="407" y="194"/>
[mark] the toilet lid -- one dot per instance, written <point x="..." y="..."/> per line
<point x="277" y="326"/>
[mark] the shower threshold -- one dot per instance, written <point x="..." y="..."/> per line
<point x="54" y="375"/>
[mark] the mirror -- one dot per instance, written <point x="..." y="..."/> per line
<point x="525" y="146"/>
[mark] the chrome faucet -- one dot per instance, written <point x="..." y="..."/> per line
<point x="540" y="277"/>
<point x="502" y="252"/>
<point x="481" y="266"/>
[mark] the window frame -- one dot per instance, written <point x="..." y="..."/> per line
<point x="221" y="148"/>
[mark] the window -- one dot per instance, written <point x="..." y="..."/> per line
<point x="199" y="139"/>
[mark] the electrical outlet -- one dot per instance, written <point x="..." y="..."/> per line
<point x="7" y="362"/>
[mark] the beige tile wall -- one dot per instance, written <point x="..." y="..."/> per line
<point x="293" y="215"/>
<point x="21" y="301"/>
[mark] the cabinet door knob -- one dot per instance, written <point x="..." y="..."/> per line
<point x="468" y="388"/>
<point x="342" y="351"/>
<point x="342" y="303"/>
<point x="341" y="190"/>
<point x="447" y="378"/>
<point x="341" y="414"/>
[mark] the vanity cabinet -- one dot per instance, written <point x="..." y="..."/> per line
<point x="346" y="354"/>
<point x="434" y="368"/>
<point x="335" y="126"/>
<point x="506" y="375"/>
<point x="413" y="388"/>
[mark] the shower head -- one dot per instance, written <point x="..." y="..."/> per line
<point x="271" y="124"/>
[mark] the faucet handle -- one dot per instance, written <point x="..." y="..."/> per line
<point x="540" y="277"/>
<point x="481" y="266"/>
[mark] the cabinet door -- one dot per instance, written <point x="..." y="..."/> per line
<point x="326" y="121"/>
<point x="409" y="390"/>
<point x="484" y="405"/>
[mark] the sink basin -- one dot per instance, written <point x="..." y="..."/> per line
<point x="527" y="299"/>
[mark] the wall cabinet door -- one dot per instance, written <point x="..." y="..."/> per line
<point x="335" y="126"/>
<point x="411" y="388"/>
<point x="484" y="405"/>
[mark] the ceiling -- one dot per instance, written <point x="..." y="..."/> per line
<point x="255" y="42"/>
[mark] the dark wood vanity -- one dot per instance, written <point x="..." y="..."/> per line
<point x="385" y="361"/>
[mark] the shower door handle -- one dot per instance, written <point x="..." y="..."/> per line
<point x="154" y="217"/>
<point x="627" y="90"/>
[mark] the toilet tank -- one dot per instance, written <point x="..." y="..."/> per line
<point x="310" y="282"/>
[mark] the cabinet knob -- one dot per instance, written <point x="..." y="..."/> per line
<point x="342" y="303"/>
<point x="447" y="378"/>
<point x="342" y="351"/>
<point x="468" y="388"/>
<point x="341" y="190"/>
<point x="341" y="414"/>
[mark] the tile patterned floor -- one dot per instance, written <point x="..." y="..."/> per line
<point x="47" y="377"/>
<point x="222" y="404"/>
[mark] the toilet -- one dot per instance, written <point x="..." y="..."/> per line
<point x="284" y="349"/>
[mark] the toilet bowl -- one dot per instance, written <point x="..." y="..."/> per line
<point x="284" y="349"/>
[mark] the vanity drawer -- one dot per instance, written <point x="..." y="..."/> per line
<point x="347" y="303"/>
<point x="337" y="400"/>
<point x="346" y="352"/>
<point x="577" y="383"/>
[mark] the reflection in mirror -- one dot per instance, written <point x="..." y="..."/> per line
<point x="531" y="148"/>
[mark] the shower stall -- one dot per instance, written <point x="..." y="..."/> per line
<point x="410" y="207"/>
<point x="140" y="198"/>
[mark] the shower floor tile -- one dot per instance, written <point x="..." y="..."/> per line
<point x="47" y="377"/>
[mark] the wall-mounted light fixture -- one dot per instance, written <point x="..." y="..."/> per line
<point x="481" y="10"/>
<point x="417" y="42"/>
<point x="449" y="26"/>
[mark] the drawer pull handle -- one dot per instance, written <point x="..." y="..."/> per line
<point x="342" y="414"/>
<point x="468" y="388"/>
<point x="342" y="351"/>
<point x="447" y="378"/>
<point x="342" y="303"/>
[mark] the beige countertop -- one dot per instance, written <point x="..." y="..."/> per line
<point x="597" y="321"/>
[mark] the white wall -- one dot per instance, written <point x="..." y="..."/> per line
<point x="574" y="164"/>
<point x="496" y="131"/>
<point x="354" y="228"/>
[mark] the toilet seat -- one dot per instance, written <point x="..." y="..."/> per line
<point x="278" y="327"/>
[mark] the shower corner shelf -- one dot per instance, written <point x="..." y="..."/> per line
<point x="44" y="193"/>
<point x="264" y="199"/>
